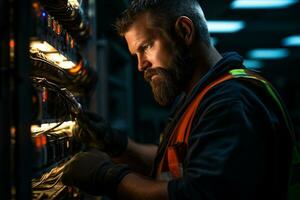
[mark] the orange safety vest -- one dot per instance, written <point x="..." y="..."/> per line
<point x="170" y="165"/>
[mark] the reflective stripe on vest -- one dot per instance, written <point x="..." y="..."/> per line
<point x="171" y="163"/>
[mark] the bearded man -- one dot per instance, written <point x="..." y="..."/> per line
<point x="228" y="136"/>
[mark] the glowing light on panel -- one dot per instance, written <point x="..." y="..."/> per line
<point x="56" y="57"/>
<point x="66" y="125"/>
<point x="42" y="46"/>
<point x="73" y="3"/>
<point x="67" y="65"/>
<point x="77" y="68"/>
<point x="12" y="43"/>
<point x="51" y="54"/>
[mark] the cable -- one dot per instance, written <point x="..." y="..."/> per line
<point x="59" y="124"/>
<point x="52" y="67"/>
<point x="70" y="102"/>
<point x="55" y="126"/>
<point x="57" y="172"/>
<point x="46" y="186"/>
<point x="75" y="107"/>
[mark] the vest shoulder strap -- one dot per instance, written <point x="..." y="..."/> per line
<point x="173" y="156"/>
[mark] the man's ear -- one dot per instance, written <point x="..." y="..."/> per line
<point x="185" y="29"/>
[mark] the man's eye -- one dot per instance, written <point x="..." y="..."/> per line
<point x="146" y="46"/>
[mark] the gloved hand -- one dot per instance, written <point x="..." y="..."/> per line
<point x="94" y="173"/>
<point x="97" y="133"/>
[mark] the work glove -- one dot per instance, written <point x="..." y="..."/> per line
<point x="97" y="133"/>
<point x="94" y="173"/>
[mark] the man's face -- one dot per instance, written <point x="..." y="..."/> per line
<point x="164" y="62"/>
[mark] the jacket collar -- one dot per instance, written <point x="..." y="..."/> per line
<point x="230" y="60"/>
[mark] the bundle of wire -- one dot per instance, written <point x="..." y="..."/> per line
<point x="48" y="180"/>
<point x="70" y="103"/>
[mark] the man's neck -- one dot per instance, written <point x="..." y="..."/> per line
<point x="204" y="63"/>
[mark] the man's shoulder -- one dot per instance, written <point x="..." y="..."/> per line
<point x="228" y="102"/>
<point x="234" y="90"/>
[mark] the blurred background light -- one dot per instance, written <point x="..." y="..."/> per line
<point x="270" y="54"/>
<point x="293" y="40"/>
<point x="262" y="4"/>
<point x="253" y="64"/>
<point x="214" y="41"/>
<point x="225" y="26"/>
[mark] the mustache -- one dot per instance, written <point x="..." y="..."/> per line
<point x="154" y="71"/>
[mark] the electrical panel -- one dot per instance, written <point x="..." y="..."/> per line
<point x="61" y="76"/>
<point x="59" y="80"/>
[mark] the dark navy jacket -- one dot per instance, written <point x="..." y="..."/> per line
<point x="239" y="149"/>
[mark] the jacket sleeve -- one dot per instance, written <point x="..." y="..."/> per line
<point x="225" y="152"/>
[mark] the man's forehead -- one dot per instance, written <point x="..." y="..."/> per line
<point x="138" y="32"/>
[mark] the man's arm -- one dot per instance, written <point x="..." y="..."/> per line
<point x="94" y="173"/>
<point x="136" y="187"/>
<point x="95" y="132"/>
<point x="139" y="157"/>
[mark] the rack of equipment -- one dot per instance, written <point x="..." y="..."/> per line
<point x="46" y="79"/>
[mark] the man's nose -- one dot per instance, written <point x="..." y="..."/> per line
<point x="143" y="64"/>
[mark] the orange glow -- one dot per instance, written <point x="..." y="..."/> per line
<point x="13" y="131"/>
<point x="58" y="29"/>
<point x="38" y="142"/>
<point x="12" y="43"/>
<point x="77" y="68"/>
<point x="44" y="140"/>
<point x="67" y="37"/>
<point x="37" y="8"/>
<point x="72" y="43"/>
<point x="35" y="5"/>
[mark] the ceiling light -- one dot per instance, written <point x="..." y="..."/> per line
<point x="272" y="54"/>
<point x="293" y="40"/>
<point x="225" y="26"/>
<point x="253" y="64"/>
<point x="262" y="4"/>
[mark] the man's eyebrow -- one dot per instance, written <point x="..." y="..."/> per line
<point x="133" y="52"/>
<point x="141" y="45"/>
